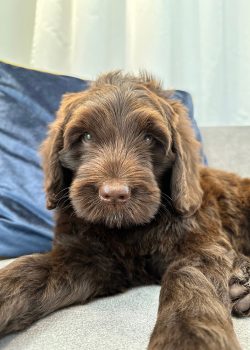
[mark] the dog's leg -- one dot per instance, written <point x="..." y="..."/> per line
<point x="36" y="285"/>
<point x="239" y="287"/>
<point x="194" y="309"/>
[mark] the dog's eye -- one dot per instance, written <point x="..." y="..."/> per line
<point x="148" y="138"/>
<point x="86" y="137"/>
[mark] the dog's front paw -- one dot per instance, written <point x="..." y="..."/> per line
<point x="239" y="288"/>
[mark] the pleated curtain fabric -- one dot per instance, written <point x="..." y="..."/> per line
<point x="202" y="46"/>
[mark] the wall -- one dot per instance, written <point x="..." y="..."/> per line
<point x="202" y="46"/>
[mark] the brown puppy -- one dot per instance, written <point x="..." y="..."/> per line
<point x="134" y="206"/>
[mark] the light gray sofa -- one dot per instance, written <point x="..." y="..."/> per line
<point x="125" y="321"/>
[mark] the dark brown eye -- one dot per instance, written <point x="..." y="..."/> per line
<point x="148" y="138"/>
<point x="86" y="137"/>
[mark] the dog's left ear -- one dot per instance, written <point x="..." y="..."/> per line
<point x="186" y="192"/>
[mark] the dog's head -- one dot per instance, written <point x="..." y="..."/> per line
<point x="118" y="150"/>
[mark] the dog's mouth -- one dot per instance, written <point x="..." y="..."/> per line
<point x="136" y="206"/>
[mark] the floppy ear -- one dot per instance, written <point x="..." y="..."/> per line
<point x="186" y="191"/>
<point x="55" y="174"/>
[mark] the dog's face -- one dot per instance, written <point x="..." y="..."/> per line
<point x="110" y="147"/>
<point x="116" y="144"/>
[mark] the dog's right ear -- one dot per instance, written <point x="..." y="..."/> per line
<point x="54" y="173"/>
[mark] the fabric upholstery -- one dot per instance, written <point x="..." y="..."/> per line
<point x="28" y="101"/>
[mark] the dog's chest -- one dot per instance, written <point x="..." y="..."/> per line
<point x="141" y="257"/>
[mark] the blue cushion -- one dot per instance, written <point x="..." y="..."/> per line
<point x="28" y="101"/>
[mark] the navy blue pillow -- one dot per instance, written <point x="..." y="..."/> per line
<point x="28" y="101"/>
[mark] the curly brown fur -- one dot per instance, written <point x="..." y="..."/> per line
<point x="133" y="206"/>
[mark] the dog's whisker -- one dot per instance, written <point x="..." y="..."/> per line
<point x="63" y="190"/>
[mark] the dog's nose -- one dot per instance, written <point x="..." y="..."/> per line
<point x="114" y="192"/>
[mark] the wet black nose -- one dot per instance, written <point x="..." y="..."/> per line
<point x="114" y="192"/>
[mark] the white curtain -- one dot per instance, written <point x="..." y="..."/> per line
<point x="202" y="46"/>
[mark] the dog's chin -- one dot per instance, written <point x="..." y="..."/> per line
<point x="116" y="217"/>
